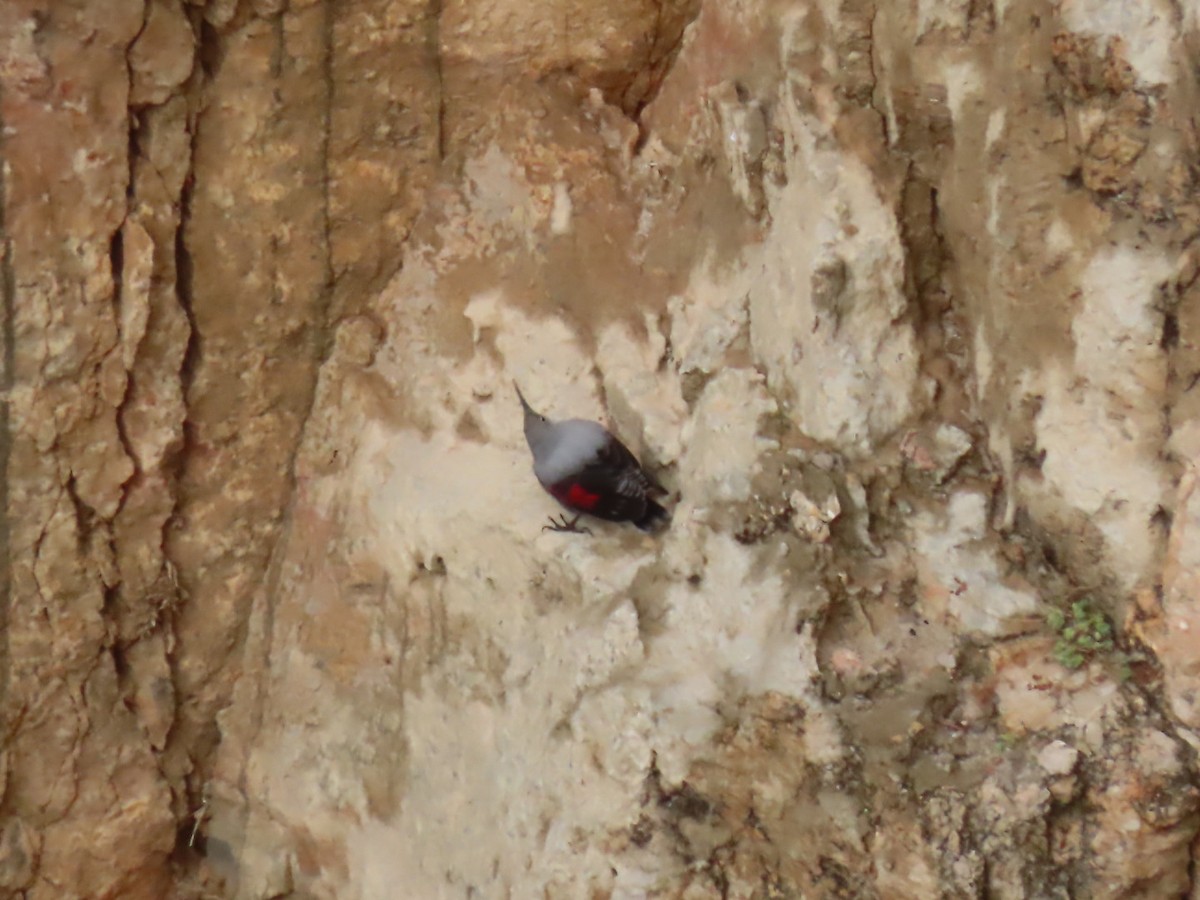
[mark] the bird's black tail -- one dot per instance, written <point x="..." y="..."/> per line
<point x="655" y="518"/>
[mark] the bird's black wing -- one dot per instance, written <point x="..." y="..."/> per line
<point x="615" y="480"/>
<point x="619" y="456"/>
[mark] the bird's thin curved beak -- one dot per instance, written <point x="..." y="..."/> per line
<point x="521" y="397"/>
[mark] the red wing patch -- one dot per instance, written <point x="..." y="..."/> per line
<point x="576" y="496"/>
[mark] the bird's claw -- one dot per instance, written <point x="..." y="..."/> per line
<point x="565" y="527"/>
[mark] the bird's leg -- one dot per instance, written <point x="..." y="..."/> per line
<point x="572" y="527"/>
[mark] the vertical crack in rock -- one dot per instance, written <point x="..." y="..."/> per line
<point x="189" y="361"/>
<point x="662" y="49"/>
<point x="183" y="290"/>
<point x="116" y="258"/>
<point x="931" y="304"/>
<point x="434" y="38"/>
<point x="7" y="362"/>
<point x="873" y="67"/>
<point x="325" y="300"/>
<point x="68" y="90"/>
<point x="642" y="98"/>
<point x="208" y="57"/>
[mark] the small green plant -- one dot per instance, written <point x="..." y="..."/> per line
<point x="1083" y="631"/>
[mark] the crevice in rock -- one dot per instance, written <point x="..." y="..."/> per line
<point x="1167" y="306"/>
<point x="116" y="258"/>
<point x="434" y="44"/>
<point x="209" y="49"/>
<point x="660" y="58"/>
<point x="944" y="356"/>
<point x="184" y="275"/>
<point x="278" y="50"/>
<point x="327" y="289"/>
<point x="116" y="255"/>
<point x="1170" y="331"/>
<point x="208" y="56"/>
<point x="7" y="362"/>
<point x="873" y="65"/>
<point x="141" y="30"/>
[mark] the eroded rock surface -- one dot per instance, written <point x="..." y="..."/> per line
<point x="899" y="302"/>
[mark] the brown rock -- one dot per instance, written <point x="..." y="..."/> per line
<point x="278" y="616"/>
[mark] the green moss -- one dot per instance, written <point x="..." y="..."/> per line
<point x="1083" y="631"/>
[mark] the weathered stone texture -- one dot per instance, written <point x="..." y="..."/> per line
<point x="82" y="787"/>
<point x="899" y="301"/>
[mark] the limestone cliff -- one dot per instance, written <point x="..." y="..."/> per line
<point x="900" y="301"/>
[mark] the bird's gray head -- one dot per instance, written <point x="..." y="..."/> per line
<point x="537" y="427"/>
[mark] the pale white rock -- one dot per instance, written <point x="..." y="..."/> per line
<point x="734" y="638"/>
<point x="545" y="356"/>
<point x="1118" y="316"/>
<point x="722" y="439"/>
<point x="707" y="320"/>
<point x="138" y="248"/>
<point x="857" y="492"/>
<point x="1099" y="433"/>
<point x="743" y="132"/>
<point x="646" y="405"/>
<point x="995" y="222"/>
<point x="810" y="519"/>
<point x="501" y="197"/>
<point x="938" y="453"/>
<point x="826" y="302"/>
<point x="964" y="84"/>
<point x="1174" y="639"/>
<point x="1059" y="240"/>
<point x="951" y="444"/>
<point x="997" y="120"/>
<point x="478" y="741"/>
<point x="961" y="568"/>
<point x="1058" y="758"/>
<point x="560" y="213"/>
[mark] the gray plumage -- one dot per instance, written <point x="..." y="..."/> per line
<point x="562" y="448"/>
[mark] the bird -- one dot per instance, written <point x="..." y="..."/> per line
<point x="590" y="472"/>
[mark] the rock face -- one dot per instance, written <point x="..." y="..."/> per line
<point x="901" y="302"/>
